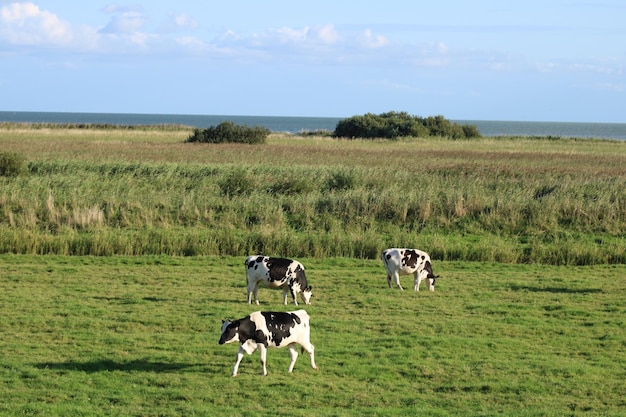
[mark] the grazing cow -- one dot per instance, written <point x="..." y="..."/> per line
<point x="400" y="261"/>
<point x="263" y="329"/>
<point x="277" y="273"/>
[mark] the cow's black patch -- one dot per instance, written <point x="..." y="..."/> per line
<point x="254" y="263"/>
<point x="410" y="258"/>
<point x="279" y="325"/>
<point x="278" y="268"/>
<point x="428" y="267"/>
<point x="301" y="277"/>
<point x="246" y="329"/>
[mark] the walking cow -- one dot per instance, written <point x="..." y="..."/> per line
<point x="277" y="273"/>
<point x="401" y="261"/>
<point x="263" y="329"/>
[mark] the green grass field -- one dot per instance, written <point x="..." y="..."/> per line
<point x="137" y="336"/>
<point x="122" y="249"/>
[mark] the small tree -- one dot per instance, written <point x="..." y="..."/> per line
<point x="11" y="164"/>
<point x="229" y="132"/>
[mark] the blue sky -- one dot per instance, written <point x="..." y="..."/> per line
<point x="544" y="60"/>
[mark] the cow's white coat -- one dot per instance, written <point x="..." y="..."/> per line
<point x="299" y="334"/>
<point x="293" y="281"/>
<point x="403" y="261"/>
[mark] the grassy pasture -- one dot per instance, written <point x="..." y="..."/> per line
<point x="137" y="336"/>
<point x="145" y="192"/>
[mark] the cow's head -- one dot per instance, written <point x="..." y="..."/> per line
<point x="229" y="331"/>
<point x="306" y="295"/>
<point x="431" y="278"/>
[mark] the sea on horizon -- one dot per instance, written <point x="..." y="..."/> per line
<point x="293" y="124"/>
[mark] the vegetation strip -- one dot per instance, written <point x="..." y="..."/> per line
<point x="118" y="192"/>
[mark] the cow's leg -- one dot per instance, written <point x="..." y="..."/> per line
<point x="294" y="296"/>
<point x="389" y="280"/>
<point x="286" y="292"/>
<point x="396" y="278"/>
<point x="253" y="289"/>
<point x="250" y="291"/>
<point x="238" y="361"/>
<point x="308" y="346"/>
<point x="294" y="355"/>
<point x="417" y="280"/>
<point x="263" y="353"/>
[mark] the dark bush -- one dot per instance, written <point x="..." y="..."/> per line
<point x="341" y="181"/>
<point x="393" y="125"/>
<point x="229" y="132"/>
<point x="236" y="183"/>
<point x="11" y="164"/>
<point x="291" y="186"/>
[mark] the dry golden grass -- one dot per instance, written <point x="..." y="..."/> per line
<point x="487" y="155"/>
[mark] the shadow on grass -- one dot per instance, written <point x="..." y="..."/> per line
<point x="557" y="290"/>
<point x="106" y="365"/>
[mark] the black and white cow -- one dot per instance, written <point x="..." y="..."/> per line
<point x="401" y="261"/>
<point x="277" y="273"/>
<point x="263" y="329"/>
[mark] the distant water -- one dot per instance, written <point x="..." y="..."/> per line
<point x="299" y="124"/>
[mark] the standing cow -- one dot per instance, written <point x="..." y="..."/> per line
<point x="277" y="273"/>
<point x="401" y="261"/>
<point x="263" y="329"/>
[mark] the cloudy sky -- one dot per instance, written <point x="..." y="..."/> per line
<point x="552" y="60"/>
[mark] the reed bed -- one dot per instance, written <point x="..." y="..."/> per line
<point x="142" y="192"/>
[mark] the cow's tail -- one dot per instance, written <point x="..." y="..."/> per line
<point x="245" y="262"/>
<point x="382" y="256"/>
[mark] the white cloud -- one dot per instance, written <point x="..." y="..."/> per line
<point x="177" y="23"/>
<point x="597" y="68"/>
<point x="26" y="24"/>
<point x="287" y="35"/>
<point x="192" y="45"/>
<point x="185" y="21"/>
<point x="370" y="40"/>
<point x="127" y="22"/>
<point x="327" y="34"/>
<point x="613" y="87"/>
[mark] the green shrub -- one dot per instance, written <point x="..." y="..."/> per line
<point x="291" y="186"/>
<point x="237" y="182"/>
<point x="393" y="125"/>
<point x="341" y="181"/>
<point x="229" y="132"/>
<point x="11" y="164"/>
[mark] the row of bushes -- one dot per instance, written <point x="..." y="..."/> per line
<point x="91" y="126"/>
<point x="389" y="125"/>
<point x="392" y="125"/>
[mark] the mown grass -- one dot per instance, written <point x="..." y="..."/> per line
<point x="137" y="336"/>
<point x="144" y="191"/>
